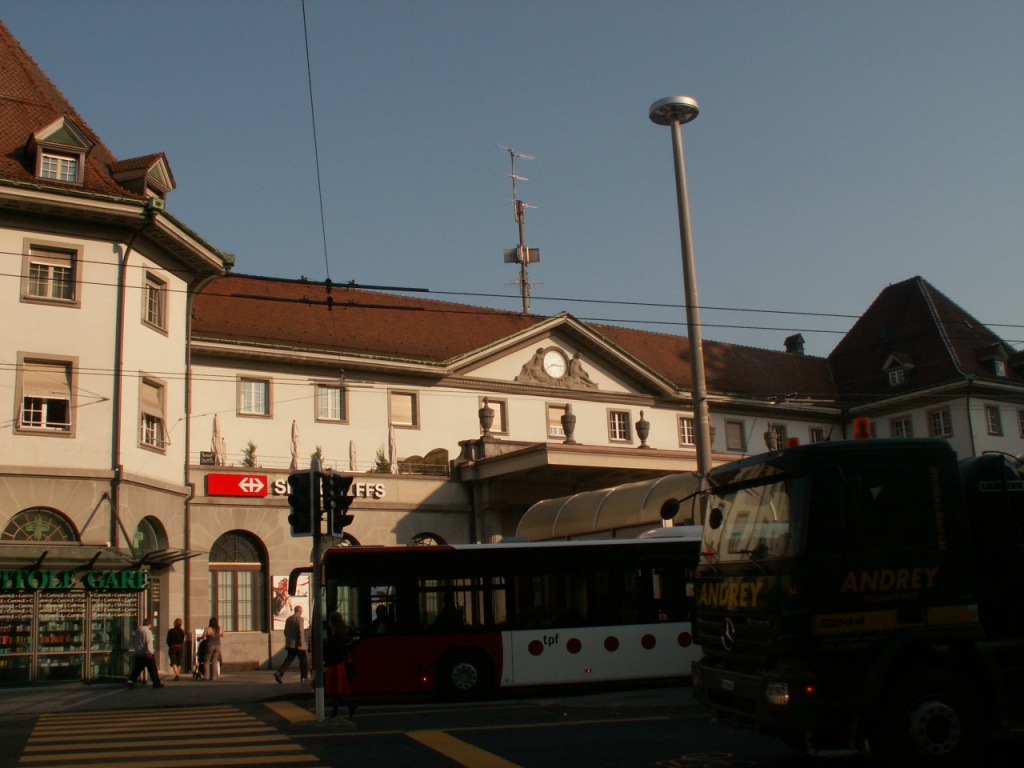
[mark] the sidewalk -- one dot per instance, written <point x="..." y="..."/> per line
<point x="231" y="688"/>
<point x="249" y="687"/>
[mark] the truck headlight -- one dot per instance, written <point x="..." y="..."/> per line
<point x="777" y="694"/>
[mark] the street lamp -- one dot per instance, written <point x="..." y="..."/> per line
<point x="673" y="112"/>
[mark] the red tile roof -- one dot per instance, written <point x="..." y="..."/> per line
<point x="264" y="311"/>
<point x="29" y="101"/>
<point x="912" y="320"/>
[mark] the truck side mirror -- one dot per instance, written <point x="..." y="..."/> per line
<point x="716" y="518"/>
<point x="669" y="509"/>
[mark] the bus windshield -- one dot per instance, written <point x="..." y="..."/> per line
<point x="752" y="515"/>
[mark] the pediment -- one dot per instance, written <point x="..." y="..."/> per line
<point x="62" y="133"/>
<point x="562" y="354"/>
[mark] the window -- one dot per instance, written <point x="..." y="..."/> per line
<point x="152" y="414"/>
<point x="896" y="377"/>
<point x="238" y="583"/>
<point x="618" y="426"/>
<point x="778" y="432"/>
<point x="818" y="435"/>
<point x="154" y="302"/>
<point x="939" y="424"/>
<point x="901" y="427"/>
<point x="59" y="167"/>
<point x="330" y="402"/>
<point x="404" y="409"/>
<point x="994" y="420"/>
<point x="254" y="397"/>
<point x="49" y="274"/>
<point x="735" y="440"/>
<point x="686" y="431"/>
<point x="555" y="414"/>
<point x="1020" y="422"/>
<point x="500" y="407"/>
<point x="45" y="396"/>
<point x="39" y="525"/>
<point x="999" y="368"/>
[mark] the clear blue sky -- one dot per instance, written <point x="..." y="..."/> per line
<point x="841" y="146"/>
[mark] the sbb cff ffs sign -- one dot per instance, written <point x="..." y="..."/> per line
<point x="236" y="485"/>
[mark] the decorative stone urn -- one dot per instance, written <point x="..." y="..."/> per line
<point x="643" y="429"/>
<point x="568" y="425"/>
<point x="486" y="414"/>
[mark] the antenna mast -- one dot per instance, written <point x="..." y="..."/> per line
<point x="520" y="255"/>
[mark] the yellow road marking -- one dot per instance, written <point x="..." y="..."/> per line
<point x="291" y="712"/>
<point x="463" y="753"/>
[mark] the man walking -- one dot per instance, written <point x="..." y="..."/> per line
<point x="142" y="655"/>
<point x="295" y="644"/>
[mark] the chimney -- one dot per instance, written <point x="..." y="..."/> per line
<point x="795" y="344"/>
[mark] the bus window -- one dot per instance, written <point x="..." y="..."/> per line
<point x="383" y="609"/>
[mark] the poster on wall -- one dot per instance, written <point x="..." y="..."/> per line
<point x="282" y="605"/>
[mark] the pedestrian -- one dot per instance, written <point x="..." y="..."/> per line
<point x="295" y="644"/>
<point x="338" y="667"/>
<point x="142" y="654"/>
<point x="211" y="658"/>
<point x="175" y="647"/>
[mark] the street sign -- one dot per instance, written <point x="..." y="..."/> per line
<point x="218" y="484"/>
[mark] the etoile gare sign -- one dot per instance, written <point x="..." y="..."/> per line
<point x="64" y="580"/>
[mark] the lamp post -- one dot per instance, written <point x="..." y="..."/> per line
<point x="673" y="112"/>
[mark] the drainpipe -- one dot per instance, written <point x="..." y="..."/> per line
<point x="970" y="422"/>
<point x="194" y="289"/>
<point x="115" y="450"/>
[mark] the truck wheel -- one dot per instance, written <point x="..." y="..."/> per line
<point x="465" y="675"/>
<point x="930" y="719"/>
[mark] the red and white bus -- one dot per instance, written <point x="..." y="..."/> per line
<point x="462" y="620"/>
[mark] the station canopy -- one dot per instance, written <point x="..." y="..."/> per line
<point x="624" y="511"/>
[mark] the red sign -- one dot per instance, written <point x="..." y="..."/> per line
<point x="236" y="485"/>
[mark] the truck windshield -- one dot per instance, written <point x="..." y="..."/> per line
<point x="752" y="516"/>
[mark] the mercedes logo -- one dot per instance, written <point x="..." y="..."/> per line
<point x="728" y="635"/>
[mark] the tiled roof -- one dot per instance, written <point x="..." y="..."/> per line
<point x="29" y="101"/>
<point x="912" y="319"/>
<point x="278" y="312"/>
<point x="262" y="311"/>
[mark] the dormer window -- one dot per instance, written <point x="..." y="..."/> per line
<point x="59" y="167"/>
<point x="994" y="357"/>
<point x="896" y="368"/>
<point x="59" y="150"/>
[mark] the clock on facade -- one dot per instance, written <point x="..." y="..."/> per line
<point x="554" y="364"/>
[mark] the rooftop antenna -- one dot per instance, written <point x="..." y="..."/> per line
<point x="520" y="255"/>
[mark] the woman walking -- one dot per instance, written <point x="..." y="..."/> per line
<point x="175" y="646"/>
<point x="212" y="635"/>
<point x="338" y="664"/>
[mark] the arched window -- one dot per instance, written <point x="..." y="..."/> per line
<point x="238" y="582"/>
<point x="39" y="524"/>
<point x="426" y="540"/>
<point x="149" y="536"/>
<point x="346" y="540"/>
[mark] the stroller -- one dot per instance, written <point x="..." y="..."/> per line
<point x="199" y="667"/>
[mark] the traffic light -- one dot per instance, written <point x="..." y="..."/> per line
<point x="303" y="498"/>
<point x="337" y="502"/>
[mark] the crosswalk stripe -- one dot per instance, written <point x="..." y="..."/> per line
<point x="291" y="711"/>
<point x="214" y="736"/>
<point x="461" y="752"/>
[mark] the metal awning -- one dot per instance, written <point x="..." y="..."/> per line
<point x="622" y="511"/>
<point x="57" y="555"/>
<point x="167" y="556"/>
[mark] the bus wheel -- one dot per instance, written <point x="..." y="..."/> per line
<point x="931" y="719"/>
<point x="464" y="675"/>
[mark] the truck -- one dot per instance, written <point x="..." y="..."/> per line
<point x="864" y="596"/>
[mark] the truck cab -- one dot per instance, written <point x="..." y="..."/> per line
<point x="838" y="598"/>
